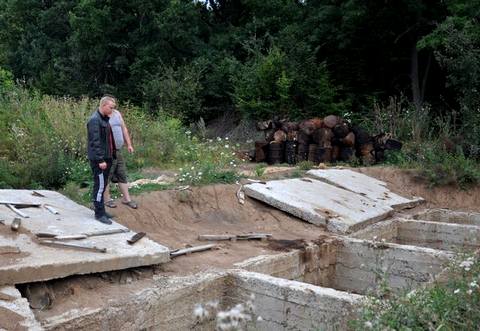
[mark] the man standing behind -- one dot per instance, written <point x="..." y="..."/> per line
<point x="101" y="152"/>
<point x="118" y="173"/>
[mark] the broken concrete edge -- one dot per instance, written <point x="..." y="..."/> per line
<point x="15" y="274"/>
<point x="414" y="202"/>
<point x="12" y="301"/>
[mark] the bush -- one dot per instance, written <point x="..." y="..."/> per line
<point x="174" y="92"/>
<point x="442" y="168"/>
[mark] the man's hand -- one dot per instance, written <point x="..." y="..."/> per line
<point x="103" y="165"/>
<point x="130" y="148"/>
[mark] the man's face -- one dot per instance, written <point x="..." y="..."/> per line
<point x="108" y="108"/>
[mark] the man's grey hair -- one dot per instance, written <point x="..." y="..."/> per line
<point x="105" y="99"/>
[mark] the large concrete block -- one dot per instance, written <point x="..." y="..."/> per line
<point x="367" y="186"/>
<point x="319" y="203"/>
<point x="25" y="260"/>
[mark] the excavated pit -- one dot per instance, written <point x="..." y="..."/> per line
<point x="307" y="284"/>
<point x="304" y="286"/>
<point x="353" y="265"/>
<point x="168" y="303"/>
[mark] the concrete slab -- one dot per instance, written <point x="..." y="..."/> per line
<point x="23" y="260"/>
<point x="367" y="186"/>
<point x="320" y="203"/>
<point x="15" y="313"/>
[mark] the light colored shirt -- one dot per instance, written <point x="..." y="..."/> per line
<point x="116" y="125"/>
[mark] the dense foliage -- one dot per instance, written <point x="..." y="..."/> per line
<point x="196" y="58"/>
<point x="408" y="67"/>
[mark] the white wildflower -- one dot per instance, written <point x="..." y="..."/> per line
<point x="368" y="325"/>
<point x="456" y="291"/>
<point x="474" y="284"/>
<point x="467" y="264"/>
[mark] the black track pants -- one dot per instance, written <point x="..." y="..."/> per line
<point x="100" y="180"/>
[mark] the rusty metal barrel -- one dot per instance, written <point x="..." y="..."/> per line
<point x="275" y="152"/>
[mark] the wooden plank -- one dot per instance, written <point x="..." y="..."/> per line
<point x="215" y="237"/>
<point x="189" y="250"/>
<point x="16" y="211"/>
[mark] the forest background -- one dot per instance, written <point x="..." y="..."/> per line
<point x="408" y="67"/>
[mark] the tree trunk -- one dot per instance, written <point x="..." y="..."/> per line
<point x="415" y="80"/>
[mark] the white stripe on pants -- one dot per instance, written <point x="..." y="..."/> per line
<point x="101" y="187"/>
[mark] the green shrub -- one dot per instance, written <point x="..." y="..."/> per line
<point x="442" y="168"/>
<point x="305" y="165"/>
<point x="260" y="169"/>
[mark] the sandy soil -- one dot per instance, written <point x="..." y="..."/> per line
<point x="176" y="218"/>
<point x="410" y="183"/>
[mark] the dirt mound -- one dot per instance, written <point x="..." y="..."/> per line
<point x="409" y="183"/>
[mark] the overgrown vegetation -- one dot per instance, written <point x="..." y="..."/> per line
<point x="43" y="144"/>
<point x="449" y="305"/>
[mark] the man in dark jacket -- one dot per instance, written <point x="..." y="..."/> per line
<point x="101" y="152"/>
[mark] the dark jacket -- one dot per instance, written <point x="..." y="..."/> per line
<point x="98" y="146"/>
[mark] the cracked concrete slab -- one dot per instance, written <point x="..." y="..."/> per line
<point x="316" y="202"/>
<point x="24" y="260"/>
<point x="364" y="185"/>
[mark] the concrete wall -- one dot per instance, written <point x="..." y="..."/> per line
<point x="166" y="305"/>
<point x="449" y="216"/>
<point x="291" y="305"/>
<point x="438" y="235"/>
<point x="362" y="265"/>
